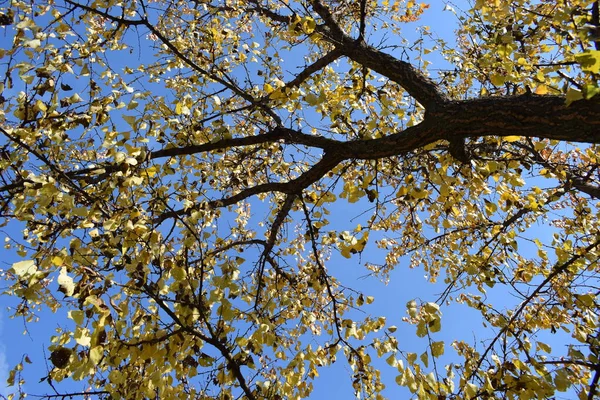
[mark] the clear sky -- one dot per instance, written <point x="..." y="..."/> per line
<point x="390" y="300"/>
<point x="405" y="284"/>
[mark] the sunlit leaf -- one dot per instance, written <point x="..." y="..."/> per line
<point x="24" y="269"/>
<point x="65" y="282"/>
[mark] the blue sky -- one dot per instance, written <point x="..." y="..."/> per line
<point x="4" y="366"/>
<point x="405" y="284"/>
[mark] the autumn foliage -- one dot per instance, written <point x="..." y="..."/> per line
<point x="171" y="175"/>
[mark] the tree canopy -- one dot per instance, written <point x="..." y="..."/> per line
<point x="174" y="168"/>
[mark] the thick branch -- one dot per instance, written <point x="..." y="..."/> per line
<point x="544" y="117"/>
<point x="582" y="186"/>
<point x="330" y="22"/>
<point x="284" y="19"/>
<point x="289" y="136"/>
<point x="418" y="85"/>
<point x="532" y="116"/>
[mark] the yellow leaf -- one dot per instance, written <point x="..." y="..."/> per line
<point x="268" y="88"/>
<point x="57" y="260"/>
<point x="65" y="282"/>
<point x="76" y="98"/>
<point x="544" y="347"/>
<point x="470" y="390"/>
<point x="538" y="146"/>
<point x="23" y="269"/>
<point x="179" y="108"/>
<point x="589" y="60"/>
<point x="540" y="76"/>
<point x="110" y="225"/>
<point x="40" y="106"/>
<point x="279" y="94"/>
<point x="345" y="252"/>
<point x="541" y="90"/>
<point x="129" y="119"/>
<point x="77" y="316"/>
<point x="178" y="273"/>
<point x="511" y="139"/>
<point x="82" y="336"/>
<point x="590" y="90"/>
<point x="96" y="354"/>
<point x="311" y="99"/>
<point x="402" y="191"/>
<point x="391" y="360"/>
<point x="419" y="193"/>
<point x="437" y="349"/>
<point x="573" y="95"/>
<point x="431" y="308"/>
<point x="115" y="376"/>
<point x="561" y="380"/>
<point x="151" y="171"/>
<point x="360" y="301"/>
<point x="421" y="329"/>
<point x="309" y="25"/>
<point x="497" y="80"/>
<point x="34" y="44"/>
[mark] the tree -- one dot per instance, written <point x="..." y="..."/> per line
<point x="172" y="165"/>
